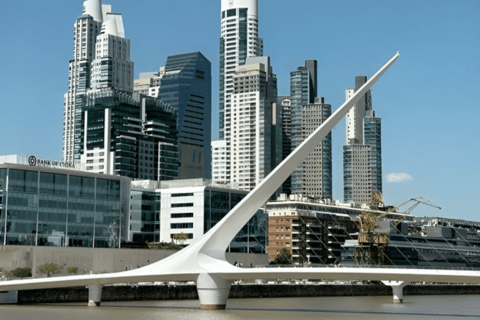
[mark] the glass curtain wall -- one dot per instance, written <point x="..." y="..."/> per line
<point x="48" y="209"/>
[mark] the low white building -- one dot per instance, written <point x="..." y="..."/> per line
<point x="191" y="207"/>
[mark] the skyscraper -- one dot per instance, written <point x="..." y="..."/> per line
<point x="186" y="84"/>
<point x="285" y="104"/>
<point x="254" y="122"/>
<point x="239" y="40"/>
<point x="303" y="90"/>
<point x="128" y="135"/>
<point x="362" y="154"/>
<point x="114" y="130"/>
<point x="316" y="173"/>
<point x="97" y="23"/>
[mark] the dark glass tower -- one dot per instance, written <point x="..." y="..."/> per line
<point x="187" y="86"/>
<point x="129" y="135"/>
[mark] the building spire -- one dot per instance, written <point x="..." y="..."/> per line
<point x="93" y="8"/>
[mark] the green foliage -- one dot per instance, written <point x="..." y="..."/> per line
<point x="163" y="245"/>
<point x="5" y="274"/>
<point x="22" y="272"/>
<point x="73" y="270"/>
<point x="180" y="237"/>
<point x="50" y="269"/>
<point x="284" y="256"/>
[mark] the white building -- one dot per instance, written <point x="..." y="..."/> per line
<point x="192" y="207"/>
<point x="239" y="40"/>
<point x="253" y="127"/>
<point x="220" y="164"/>
<point x="98" y="34"/>
<point x="356" y="115"/>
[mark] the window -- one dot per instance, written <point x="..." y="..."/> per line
<point x="181" y="225"/>
<point x="181" y="215"/>
<point x="231" y="13"/>
<point x="181" y="205"/>
<point x="177" y="195"/>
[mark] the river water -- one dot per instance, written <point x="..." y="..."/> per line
<point x="358" y="308"/>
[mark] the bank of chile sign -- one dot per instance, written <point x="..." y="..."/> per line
<point x="33" y="161"/>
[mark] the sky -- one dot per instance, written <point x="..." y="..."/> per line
<point x="428" y="100"/>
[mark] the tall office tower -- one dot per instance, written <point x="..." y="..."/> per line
<point x="187" y="86"/>
<point x="129" y="135"/>
<point x="373" y="138"/>
<point x="285" y="105"/>
<point x="303" y="90"/>
<point x="239" y="40"/>
<point x="148" y="83"/>
<point x="253" y="123"/>
<point x="316" y="175"/>
<point x="354" y="119"/>
<point x="220" y="168"/>
<point x="362" y="155"/>
<point x="86" y="29"/>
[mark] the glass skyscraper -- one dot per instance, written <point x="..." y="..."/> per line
<point x="187" y="86"/>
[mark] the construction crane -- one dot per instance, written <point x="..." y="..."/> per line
<point x="373" y="241"/>
<point x="417" y="202"/>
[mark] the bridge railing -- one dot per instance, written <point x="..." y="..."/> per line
<point x="364" y="266"/>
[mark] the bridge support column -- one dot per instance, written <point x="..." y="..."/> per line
<point x="94" y="295"/>
<point x="397" y="289"/>
<point x="212" y="291"/>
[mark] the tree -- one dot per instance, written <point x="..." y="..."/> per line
<point x="180" y="237"/>
<point x="284" y="256"/>
<point x="73" y="270"/>
<point x="5" y="274"/>
<point x="50" y="269"/>
<point x="22" y="272"/>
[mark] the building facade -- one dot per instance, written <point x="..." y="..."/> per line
<point x="186" y="84"/>
<point x="127" y="134"/>
<point x="316" y="174"/>
<point x="220" y="163"/>
<point x="254" y="141"/>
<point x="192" y="207"/>
<point x="303" y="90"/>
<point x="94" y="34"/>
<point x="362" y="154"/>
<point x="315" y="231"/>
<point x="45" y="205"/>
<point x="239" y="40"/>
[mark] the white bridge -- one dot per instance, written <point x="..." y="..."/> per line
<point x="204" y="260"/>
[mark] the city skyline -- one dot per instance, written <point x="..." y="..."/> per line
<point x="422" y="137"/>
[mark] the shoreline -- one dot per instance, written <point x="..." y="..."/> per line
<point x="189" y="292"/>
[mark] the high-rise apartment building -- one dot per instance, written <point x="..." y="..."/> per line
<point x="98" y="35"/>
<point x="285" y="105"/>
<point x="316" y="173"/>
<point x="239" y="40"/>
<point x="362" y="155"/>
<point x="255" y="121"/>
<point x="302" y="113"/>
<point x="220" y="156"/>
<point x="186" y="84"/>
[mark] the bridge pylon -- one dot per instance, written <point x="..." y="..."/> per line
<point x="397" y="289"/>
<point x="212" y="291"/>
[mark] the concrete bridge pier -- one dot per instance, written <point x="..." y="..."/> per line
<point x="397" y="289"/>
<point x="94" y="295"/>
<point x="212" y="291"/>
